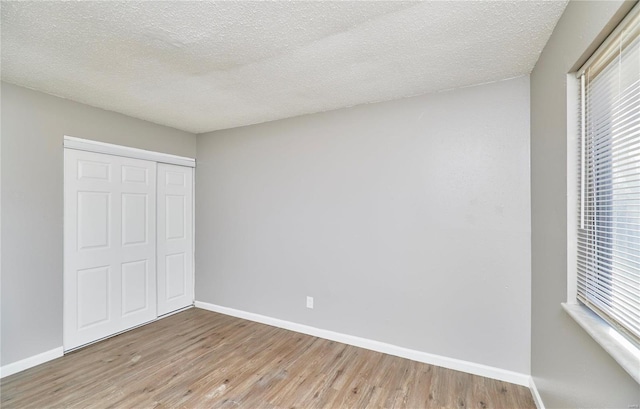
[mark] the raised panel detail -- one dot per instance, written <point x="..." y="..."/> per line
<point x="134" y="218"/>
<point x="93" y="296"/>
<point x="93" y="220"/>
<point x="94" y="170"/>
<point x="175" y="217"/>
<point x="174" y="179"/>
<point x="134" y="286"/>
<point x="176" y="271"/>
<point x="133" y="174"/>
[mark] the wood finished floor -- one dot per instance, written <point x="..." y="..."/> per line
<point x="201" y="359"/>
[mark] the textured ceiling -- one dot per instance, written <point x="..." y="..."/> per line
<point x="202" y="66"/>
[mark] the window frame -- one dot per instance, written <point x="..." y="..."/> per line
<point x="623" y="351"/>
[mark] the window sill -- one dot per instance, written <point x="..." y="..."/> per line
<point x="620" y="349"/>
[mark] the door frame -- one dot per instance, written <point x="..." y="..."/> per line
<point x="119" y="150"/>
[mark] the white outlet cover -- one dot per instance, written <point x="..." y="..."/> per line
<point x="310" y="302"/>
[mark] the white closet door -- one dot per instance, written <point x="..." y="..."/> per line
<point x="175" y="237"/>
<point x="109" y="245"/>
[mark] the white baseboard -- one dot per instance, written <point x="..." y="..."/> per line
<point x="438" y="360"/>
<point x="536" y="395"/>
<point x="30" y="362"/>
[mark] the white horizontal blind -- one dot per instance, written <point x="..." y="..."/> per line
<point x="609" y="181"/>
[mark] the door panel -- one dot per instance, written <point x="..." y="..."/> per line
<point x="109" y="242"/>
<point x="175" y="237"/>
<point x="93" y="219"/>
<point x="135" y="278"/>
<point x="176" y="276"/>
<point x="175" y="217"/>
<point x="133" y="174"/>
<point x="135" y="217"/>
<point x="93" y="294"/>
<point x="94" y="170"/>
<point x="175" y="178"/>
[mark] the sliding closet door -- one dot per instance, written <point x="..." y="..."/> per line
<point x="175" y="237"/>
<point x="109" y="245"/>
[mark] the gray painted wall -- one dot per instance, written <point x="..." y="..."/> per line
<point x="408" y="221"/>
<point x="33" y="126"/>
<point x="570" y="370"/>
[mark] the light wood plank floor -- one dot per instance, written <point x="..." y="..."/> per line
<point x="200" y="359"/>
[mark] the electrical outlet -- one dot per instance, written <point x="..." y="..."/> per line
<point x="309" y="302"/>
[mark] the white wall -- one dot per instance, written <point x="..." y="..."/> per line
<point x="408" y="221"/>
<point x="33" y="127"/>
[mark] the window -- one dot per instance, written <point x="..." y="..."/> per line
<point x="608" y="226"/>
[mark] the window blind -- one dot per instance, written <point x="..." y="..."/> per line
<point x="609" y="180"/>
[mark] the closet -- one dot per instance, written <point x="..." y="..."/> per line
<point x="128" y="238"/>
